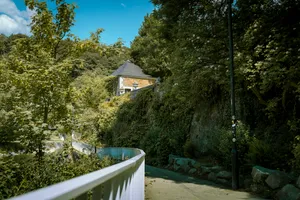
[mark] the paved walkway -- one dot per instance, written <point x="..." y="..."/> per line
<point x="168" y="185"/>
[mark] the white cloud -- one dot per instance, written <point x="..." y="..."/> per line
<point x="13" y="20"/>
<point x="122" y="4"/>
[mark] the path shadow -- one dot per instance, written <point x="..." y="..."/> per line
<point x="154" y="172"/>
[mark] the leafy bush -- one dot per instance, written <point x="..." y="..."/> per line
<point x="150" y="143"/>
<point x="24" y="173"/>
<point x="189" y="149"/>
<point x="296" y="152"/>
<point x="190" y="49"/>
<point x="157" y="124"/>
<point x="224" y="147"/>
<point x="259" y="152"/>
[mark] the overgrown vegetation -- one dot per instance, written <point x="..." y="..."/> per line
<point x="186" y="44"/>
<point x="53" y="82"/>
<point x="47" y="88"/>
<point x="23" y="173"/>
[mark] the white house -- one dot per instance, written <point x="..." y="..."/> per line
<point x="131" y="77"/>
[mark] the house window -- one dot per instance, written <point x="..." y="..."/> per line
<point x="121" y="92"/>
<point x="127" y="90"/>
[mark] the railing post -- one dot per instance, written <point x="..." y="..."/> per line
<point x="139" y="182"/>
<point x="137" y="185"/>
<point x="123" y="188"/>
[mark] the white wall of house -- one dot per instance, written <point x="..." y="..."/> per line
<point x="126" y="84"/>
<point x="121" y="88"/>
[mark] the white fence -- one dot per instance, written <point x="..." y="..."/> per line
<point x="124" y="180"/>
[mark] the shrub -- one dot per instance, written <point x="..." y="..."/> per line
<point x="259" y="152"/>
<point x="224" y="146"/>
<point x="296" y="152"/>
<point x="189" y="149"/>
<point x="24" y="173"/>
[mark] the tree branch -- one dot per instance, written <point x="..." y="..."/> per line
<point x="257" y="94"/>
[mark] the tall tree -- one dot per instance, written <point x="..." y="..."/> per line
<point x="194" y="34"/>
<point x="49" y="29"/>
<point x="40" y="82"/>
<point x="150" y="50"/>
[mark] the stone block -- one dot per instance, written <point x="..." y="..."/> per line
<point x="212" y="176"/>
<point x="259" y="174"/>
<point x="277" y="180"/>
<point x="217" y="169"/>
<point x="224" y="175"/>
<point x="288" y="192"/>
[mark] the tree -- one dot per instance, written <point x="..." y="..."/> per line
<point x="40" y="82"/>
<point x="191" y="37"/>
<point x="150" y="50"/>
<point x="49" y="29"/>
<point x="6" y="43"/>
<point x="91" y="91"/>
<point x="2" y="44"/>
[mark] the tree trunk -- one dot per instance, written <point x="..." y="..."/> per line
<point x="46" y="111"/>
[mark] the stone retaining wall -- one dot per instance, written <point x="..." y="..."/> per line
<point x="266" y="182"/>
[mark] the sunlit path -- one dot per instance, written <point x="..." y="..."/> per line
<point x="168" y="185"/>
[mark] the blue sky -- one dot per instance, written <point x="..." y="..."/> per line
<point x="119" y="18"/>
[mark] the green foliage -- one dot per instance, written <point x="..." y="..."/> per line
<point x="49" y="29"/>
<point x="38" y="90"/>
<point x="94" y="106"/>
<point x="6" y="43"/>
<point x="23" y="173"/>
<point x="260" y="152"/>
<point x="186" y="42"/>
<point x="189" y="149"/>
<point x="107" y="60"/>
<point x="296" y="152"/>
<point x="91" y="89"/>
<point x="149" y="49"/>
<point x="158" y="125"/>
<point x="37" y="99"/>
<point x="36" y="73"/>
<point x="224" y="145"/>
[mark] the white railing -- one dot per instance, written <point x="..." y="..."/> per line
<point x="124" y="180"/>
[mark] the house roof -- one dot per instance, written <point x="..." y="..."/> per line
<point x="130" y="69"/>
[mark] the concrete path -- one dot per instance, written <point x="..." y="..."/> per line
<point x="168" y="185"/>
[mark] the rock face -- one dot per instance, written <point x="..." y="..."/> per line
<point x="224" y="175"/>
<point x="259" y="174"/>
<point x="277" y="180"/>
<point x="212" y="176"/>
<point x="203" y="129"/>
<point x="288" y="192"/>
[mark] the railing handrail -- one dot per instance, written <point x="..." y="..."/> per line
<point x="74" y="187"/>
